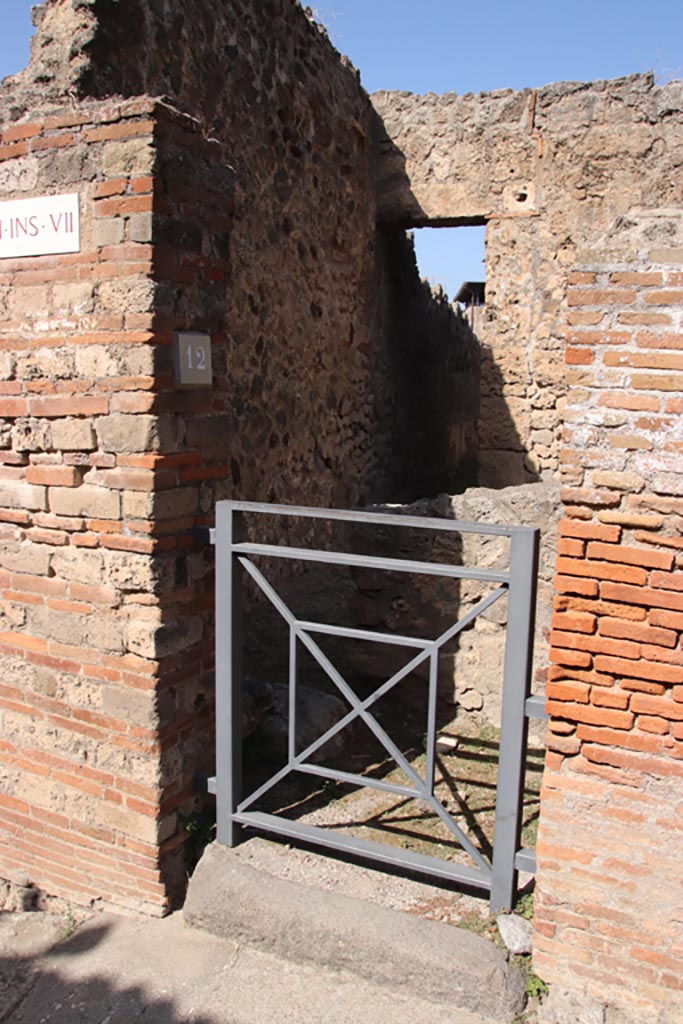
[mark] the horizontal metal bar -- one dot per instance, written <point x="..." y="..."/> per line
<point x="208" y="784"/>
<point x="525" y="860"/>
<point x="380" y="519"/>
<point x="204" y="535"/>
<point x="364" y="634"/>
<point x="433" y="866"/>
<point x="534" y="707"/>
<point x="371" y="562"/>
<point x="359" y="780"/>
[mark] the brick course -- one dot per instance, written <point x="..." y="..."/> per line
<point x="74" y="772"/>
<point x="611" y="933"/>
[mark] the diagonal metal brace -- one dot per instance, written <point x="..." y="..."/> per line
<point x="423" y="789"/>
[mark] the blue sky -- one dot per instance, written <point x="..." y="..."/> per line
<point x="451" y="46"/>
<point x="16" y="28"/>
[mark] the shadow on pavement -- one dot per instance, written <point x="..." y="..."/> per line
<point x="57" y="982"/>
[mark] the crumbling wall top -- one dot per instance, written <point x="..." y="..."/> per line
<point x="190" y="51"/>
<point x="64" y="29"/>
<point x="453" y="158"/>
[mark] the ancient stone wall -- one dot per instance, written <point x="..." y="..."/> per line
<point x="248" y="214"/>
<point x="310" y="283"/>
<point x="580" y="187"/>
<point x="224" y="163"/>
<point x="434" y="373"/>
<point x="609" y="906"/>
<point x="80" y="756"/>
<point x="106" y="616"/>
<point x="545" y="170"/>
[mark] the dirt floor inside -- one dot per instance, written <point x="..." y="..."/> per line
<point x="466" y="768"/>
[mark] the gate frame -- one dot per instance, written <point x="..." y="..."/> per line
<point x="499" y="877"/>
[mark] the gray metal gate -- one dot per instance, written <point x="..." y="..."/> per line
<point x="234" y="556"/>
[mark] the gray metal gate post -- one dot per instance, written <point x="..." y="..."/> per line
<point x="514" y="721"/>
<point x="228" y="782"/>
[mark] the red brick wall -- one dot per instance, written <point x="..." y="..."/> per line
<point x="106" y="606"/>
<point x="609" y="907"/>
<point x="79" y="801"/>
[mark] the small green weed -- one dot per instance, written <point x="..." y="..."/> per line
<point x="525" y="906"/>
<point x="535" y="986"/>
<point x="69" y="924"/>
<point x="200" y="827"/>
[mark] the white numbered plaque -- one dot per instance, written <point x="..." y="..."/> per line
<point x="39" y="227"/>
<point x="192" y="358"/>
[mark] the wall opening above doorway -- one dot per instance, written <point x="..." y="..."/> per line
<point x="451" y="256"/>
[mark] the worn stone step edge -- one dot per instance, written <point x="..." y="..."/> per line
<point x="435" y="961"/>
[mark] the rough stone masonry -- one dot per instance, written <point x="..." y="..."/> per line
<point x="233" y="178"/>
<point x="581" y="189"/>
<point x="245" y="210"/>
